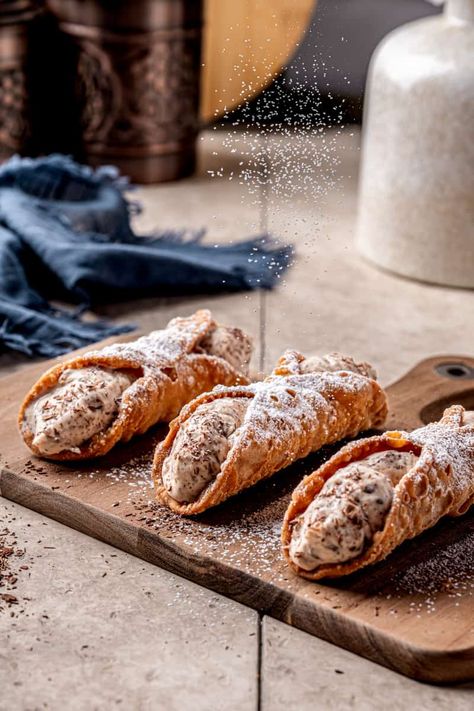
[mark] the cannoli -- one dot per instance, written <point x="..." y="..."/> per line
<point x="83" y="407"/>
<point x="230" y="439"/>
<point x="378" y="492"/>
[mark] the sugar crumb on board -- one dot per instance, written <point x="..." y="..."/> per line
<point x="250" y="540"/>
<point x="136" y="474"/>
<point x="449" y="572"/>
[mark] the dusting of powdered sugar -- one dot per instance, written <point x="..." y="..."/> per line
<point x="137" y="475"/>
<point x="159" y="348"/>
<point x="250" y="541"/>
<point x="451" y="447"/>
<point x="293" y="394"/>
<point x="284" y="405"/>
<point x="449" y="572"/>
<point x="244" y="532"/>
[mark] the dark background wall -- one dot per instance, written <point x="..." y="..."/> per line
<point x="325" y="80"/>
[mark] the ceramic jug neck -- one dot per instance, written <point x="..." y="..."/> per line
<point x="460" y="10"/>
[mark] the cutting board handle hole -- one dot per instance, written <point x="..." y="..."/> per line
<point x="456" y="371"/>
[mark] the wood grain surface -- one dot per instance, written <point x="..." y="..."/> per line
<point x="412" y="613"/>
<point x="245" y="45"/>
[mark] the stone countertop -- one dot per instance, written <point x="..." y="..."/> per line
<point x="95" y="628"/>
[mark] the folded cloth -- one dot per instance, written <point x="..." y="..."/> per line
<point x="65" y="235"/>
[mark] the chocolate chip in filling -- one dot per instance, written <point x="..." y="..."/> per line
<point x="352" y="505"/>
<point x="83" y="403"/>
<point x="201" y="446"/>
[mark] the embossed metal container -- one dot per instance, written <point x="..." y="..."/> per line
<point x="15" y="105"/>
<point x="133" y="70"/>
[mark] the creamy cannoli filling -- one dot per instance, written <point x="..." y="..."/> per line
<point x="350" y="508"/>
<point x="232" y="344"/>
<point x="201" y="446"/>
<point x="83" y="403"/>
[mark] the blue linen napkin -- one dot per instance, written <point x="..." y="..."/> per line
<point x="65" y="235"/>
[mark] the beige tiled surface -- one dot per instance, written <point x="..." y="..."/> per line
<point x="103" y="630"/>
<point x="185" y="648"/>
<point x="302" y="672"/>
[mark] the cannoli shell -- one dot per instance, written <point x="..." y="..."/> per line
<point x="169" y="376"/>
<point x="289" y="416"/>
<point x="440" y="484"/>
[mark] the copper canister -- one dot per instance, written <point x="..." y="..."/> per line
<point x="135" y="74"/>
<point x="15" y="106"/>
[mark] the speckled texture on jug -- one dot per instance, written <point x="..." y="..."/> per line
<point x="416" y="202"/>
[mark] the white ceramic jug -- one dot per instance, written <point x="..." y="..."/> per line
<point x="416" y="200"/>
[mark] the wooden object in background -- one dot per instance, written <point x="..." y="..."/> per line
<point x="121" y="81"/>
<point x="245" y="46"/>
<point x="409" y="613"/>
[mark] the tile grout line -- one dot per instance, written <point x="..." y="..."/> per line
<point x="262" y="329"/>
<point x="262" y="337"/>
<point x="264" y="231"/>
<point x="259" y="660"/>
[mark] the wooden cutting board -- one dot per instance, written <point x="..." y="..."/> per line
<point x="245" y="46"/>
<point x="413" y="613"/>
